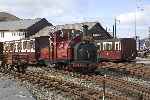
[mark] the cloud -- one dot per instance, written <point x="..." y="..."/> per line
<point x="129" y="18"/>
<point x="142" y="17"/>
<point x="37" y="8"/>
<point x="127" y="23"/>
<point x="56" y="11"/>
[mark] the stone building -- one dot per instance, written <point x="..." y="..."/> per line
<point x="95" y="29"/>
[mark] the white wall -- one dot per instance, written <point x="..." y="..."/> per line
<point x="43" y="32"/>
<point x="9" y="36"/>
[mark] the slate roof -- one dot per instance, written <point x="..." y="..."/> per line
<point x="18" y="24"/>
<point x="7" y="17"/>
<point x="94" y="27"/>
<point x="77" y="26"/>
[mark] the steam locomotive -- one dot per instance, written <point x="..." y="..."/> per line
<point x="77" y="52"/>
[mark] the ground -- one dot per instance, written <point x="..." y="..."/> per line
<point x="143" y="60"/>
<point x="10" y="91"/>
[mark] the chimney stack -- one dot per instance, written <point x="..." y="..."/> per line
<point x="85" y="31"/>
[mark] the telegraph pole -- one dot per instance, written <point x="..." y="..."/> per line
<point x="135" y="22"/>
<point x="113" y="31"/>
<point x="135" y="27"/>
<point x="104" y="87"/>
<point x="148" y="37"/>
<point x="115" y="27"/>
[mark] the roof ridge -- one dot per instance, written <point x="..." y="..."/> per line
<point x="78" y="23"/>
<point x="21" y="20"/>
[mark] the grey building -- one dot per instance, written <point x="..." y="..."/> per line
<point x="19" y="29"/>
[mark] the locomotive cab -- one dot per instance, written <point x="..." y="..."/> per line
<point x="85" y="51"/>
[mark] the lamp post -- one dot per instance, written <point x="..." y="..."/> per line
<point x="104" y="85"/>
<point x="115" y="27"/>
<point x="135" y="20"/>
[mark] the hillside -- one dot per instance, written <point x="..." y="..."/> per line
<point x="6" y="16"/>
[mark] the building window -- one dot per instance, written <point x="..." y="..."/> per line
<point x="20" y="34"/>
<point x="2" y="34"/>
<point x="96" y="35"/>
<point x="13" y="34"/>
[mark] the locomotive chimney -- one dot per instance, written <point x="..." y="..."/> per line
<point x="85" y="31"/>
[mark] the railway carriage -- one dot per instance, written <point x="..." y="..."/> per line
<point x="19" y="51"/>
<point x="123" y="49"/>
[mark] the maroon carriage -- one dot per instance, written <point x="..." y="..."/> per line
<point x="117" y="49"/>
<point x="19" y="51"/>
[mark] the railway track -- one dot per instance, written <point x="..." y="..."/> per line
<point x="138" y="70"/>
<point x="125" y="86"/>
<point x="41" y="79"/>
<point x="116" y="88"/>
<point x="118" y="84"/>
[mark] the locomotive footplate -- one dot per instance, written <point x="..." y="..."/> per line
<point x="83" y="64"/>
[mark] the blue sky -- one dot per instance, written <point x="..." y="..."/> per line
<point x="71" y="11"/>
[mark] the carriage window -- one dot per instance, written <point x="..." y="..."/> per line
<point x="19" y="47"/>
<point x="32" y="46"/>
<point x="12" y="46"/>
<point x="24" y="44"/>
<point x="6" y="46"/>
<point x="107" y="46"/>
<point x="28" y="45"/>
<point x="117" y="46"/>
